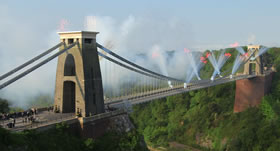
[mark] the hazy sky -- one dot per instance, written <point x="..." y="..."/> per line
<point x="213" y="22"/>
<point x="28" y="27"/>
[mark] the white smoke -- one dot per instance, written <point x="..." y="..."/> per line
<point x="146" y="42"/>
<point x="158" y="57"/>
<point x="21" y="40"/>
<point x="136" y="35"/>
<point x="251" y="39"/>
<point x="40" y="81"/>
<point x="131" y="38"/>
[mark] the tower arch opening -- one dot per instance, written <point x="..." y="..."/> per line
<point x="69" y="66"/>
<point x="69" y="97"/>
<point x="253" y="65"/>
<point x="252" y="68"/>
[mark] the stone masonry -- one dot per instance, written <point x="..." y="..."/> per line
<point x="78" y="86"/>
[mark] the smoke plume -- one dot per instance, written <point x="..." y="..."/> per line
<point x="134" y="38"/>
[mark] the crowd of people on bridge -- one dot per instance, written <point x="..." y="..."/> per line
<point x="11" y="118"/>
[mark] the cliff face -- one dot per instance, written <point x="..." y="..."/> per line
<point x="115" y="127"/>
<point x="120" y="123"/>
<point x="94" y="127"/>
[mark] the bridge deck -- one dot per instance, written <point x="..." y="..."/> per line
<point x="173" y="91"/>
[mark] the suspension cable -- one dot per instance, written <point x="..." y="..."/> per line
<point x="36" y="66"/>
<point x="135" y="65"/>
<point x="240" y="64"/>
<point x="30" y="61"/>
<point x="128" y="67"/>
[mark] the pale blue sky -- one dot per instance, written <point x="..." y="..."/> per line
<point x="213" y="22"/>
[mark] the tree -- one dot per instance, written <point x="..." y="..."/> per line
<point x="266" y="108"/>
<point x="4" y="106"/>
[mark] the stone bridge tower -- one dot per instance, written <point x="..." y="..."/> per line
<point x="254" y="65"/>
<point x="78" y="86"/>
<point x="249" y="92"/>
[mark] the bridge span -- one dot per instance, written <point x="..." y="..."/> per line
<point x="88" y="76"/>
<point x="138" y="99"/>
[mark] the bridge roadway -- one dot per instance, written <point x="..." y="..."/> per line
<point x="157" y="94"/>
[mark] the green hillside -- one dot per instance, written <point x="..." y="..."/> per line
<point x="205" y="118"/>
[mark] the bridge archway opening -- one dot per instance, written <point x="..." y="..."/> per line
<point x="69" y="97"/>
<point x="69" y="66"/>
<point x="252" y="68"/>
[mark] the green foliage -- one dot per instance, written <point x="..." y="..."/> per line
<point x="40" y="100"/>
<point x="206" y="116"/>
<point x="117" y="141"/>
<point x="4" y="106"/>
<point x="172" y="118"/>
<point x="16" y="109"/>
<point x="208" y="112"/>
<point x="267" y="109"/>
<point x="55" y="139"/>
<point x="61" y="139"/>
